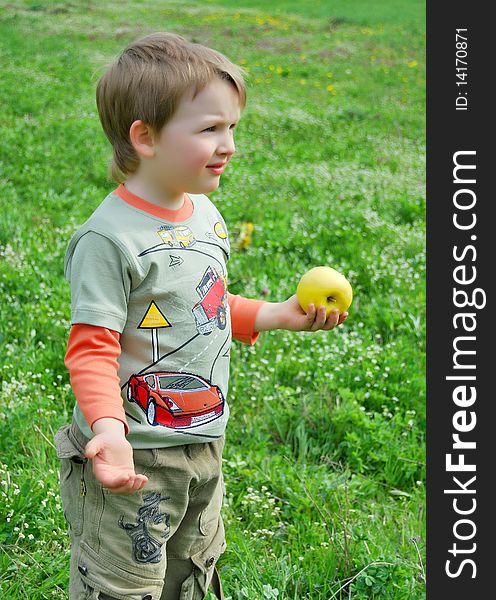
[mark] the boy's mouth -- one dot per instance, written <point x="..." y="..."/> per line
<point x="218" y="169"/>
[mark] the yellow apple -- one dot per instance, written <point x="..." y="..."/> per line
<point x="324" y="285"/>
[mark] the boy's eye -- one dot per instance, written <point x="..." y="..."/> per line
<point x="213" y="127"/>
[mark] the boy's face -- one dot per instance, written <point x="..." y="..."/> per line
<point x="199" y="134"/>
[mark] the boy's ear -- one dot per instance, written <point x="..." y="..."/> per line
<point x="142" y="138"/>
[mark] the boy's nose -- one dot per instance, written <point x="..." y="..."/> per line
<point x="227" y="145"/>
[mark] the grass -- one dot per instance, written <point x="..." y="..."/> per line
<point x="324" y="460"/>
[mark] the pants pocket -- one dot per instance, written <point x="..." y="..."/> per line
<point x="106" y="579"/>
<point x="196" y="585"/>
<point x="131" y="530"/>
<point x="73" y="465"/>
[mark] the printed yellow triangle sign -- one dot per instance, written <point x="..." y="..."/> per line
<point x="153" y="318"/>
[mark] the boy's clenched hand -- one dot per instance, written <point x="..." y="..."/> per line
<point x="112" y="458"/>
<point x="289" y="315"/>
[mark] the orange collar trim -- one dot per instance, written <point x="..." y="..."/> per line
<point x="167" y="214"/>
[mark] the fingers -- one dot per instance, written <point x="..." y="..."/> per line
<point x="133" y="484"/>
<point x="316" y="318"/>
<point x="311" y="312"/>
<point x="117" y="485"/>
<point x="332" y="320"/>
<point x="93" y="447"/>
<point x="139" y="482"/>
<point x="321" y="319"/>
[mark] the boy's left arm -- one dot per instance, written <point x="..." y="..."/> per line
<point x="289" y="315"/>
<point x="249" y="317"/>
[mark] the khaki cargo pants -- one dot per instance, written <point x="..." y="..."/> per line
<point x="160" y="543"/>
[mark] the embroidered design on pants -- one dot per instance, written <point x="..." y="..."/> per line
<point x="146" y="549"/>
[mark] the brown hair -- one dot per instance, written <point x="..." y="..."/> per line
<point x="147" y="81"/>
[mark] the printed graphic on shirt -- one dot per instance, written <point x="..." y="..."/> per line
<point x="210" y="311"/>
<point x="182" y="237"/>
<point x="154" y="320"/>
<point x="175" y="261"/>
<point x="176" y="400"/>
<point x="220" y="231"/>
<point x="177" y="237"/>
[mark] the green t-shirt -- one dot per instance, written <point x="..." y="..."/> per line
<point x="163" y="286"/>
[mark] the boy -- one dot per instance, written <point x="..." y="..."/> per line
<point x="152" y="322"/>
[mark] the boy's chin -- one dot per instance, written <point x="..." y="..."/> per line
<point x="206" y="187"/>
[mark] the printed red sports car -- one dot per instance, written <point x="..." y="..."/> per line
<point x="176" y="400"/>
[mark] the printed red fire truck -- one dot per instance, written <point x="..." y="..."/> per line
<point x="210" y="311"/>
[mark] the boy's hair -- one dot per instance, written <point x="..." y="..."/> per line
<point x="147" y="81"/>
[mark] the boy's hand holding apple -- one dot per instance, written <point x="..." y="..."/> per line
<point x="293" y="318"/>
<point x="321" y="301"/>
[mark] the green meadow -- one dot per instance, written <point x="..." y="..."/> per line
<point x="325" y="453"/>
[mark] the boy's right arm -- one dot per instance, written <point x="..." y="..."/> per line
<point x="91" y="358"/>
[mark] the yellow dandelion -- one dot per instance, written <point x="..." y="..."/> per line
<point x="271" y="67"/>
<point x="244" y="239"/>
<point x="330" y="88"/>
<point x="279" y="70"/>
<point x="412" y="64"/>
<point x="258" y="80"/>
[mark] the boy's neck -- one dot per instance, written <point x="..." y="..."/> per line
<point x="151" y="193"/>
